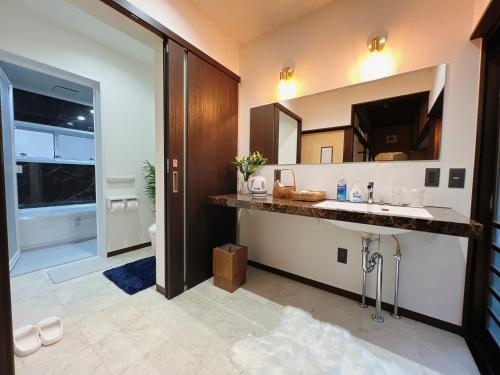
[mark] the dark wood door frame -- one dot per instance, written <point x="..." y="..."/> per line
<point x="488" y="24"/>
<point x="482" y="347"/>
<point x="6" y="344"/>
<point x="326" y="130"/>
<point x="174" y="167"/>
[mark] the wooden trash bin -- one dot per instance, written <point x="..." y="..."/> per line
<point x="230" y="266"/>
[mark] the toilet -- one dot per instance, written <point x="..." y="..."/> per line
<point x="152" y="235"/>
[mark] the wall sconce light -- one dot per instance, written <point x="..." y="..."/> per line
<point x="287" y="85"/>
<point x="377" y="63"/>
<point x="376" y="43"/>
<point x="286" y="73"/>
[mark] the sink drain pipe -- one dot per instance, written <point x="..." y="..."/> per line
<point x="368" y="265"/>
<point x="397" y="257"/>
<point x="365" y="251"/>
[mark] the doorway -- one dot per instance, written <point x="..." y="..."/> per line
<point x="108" y="65"/>
<point x="49" y="132"/>
<point x="482" y="295"/>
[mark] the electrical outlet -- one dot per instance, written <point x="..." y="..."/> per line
<point x="342" y="255"/>
<point x="432" y="177"/>
<point x="456" y="178"/>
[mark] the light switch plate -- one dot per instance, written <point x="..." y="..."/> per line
<point x="432" y="177"/>
<point x="342" y="255"/>
<point x="456" y="178"/>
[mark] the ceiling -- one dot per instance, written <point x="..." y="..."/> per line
<point x="245" y="20"/>
<point x="45" y="84"/>
<point x="97" y="22"/>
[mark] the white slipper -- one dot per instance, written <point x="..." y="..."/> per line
<point x="51" y="330"/>
<point x="26" y="340"/>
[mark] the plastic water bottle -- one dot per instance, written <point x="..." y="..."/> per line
<point x="342" y="190"/>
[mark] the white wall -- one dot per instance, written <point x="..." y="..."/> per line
<point x="479" y="8"/>
<point x="327" y="49"/>
<point x="333" y="108"/>
<point x="127" y="88"/>
<point x="287" y="150"/>
<point x="186" y="20"/>
<point x="438" y="82"/>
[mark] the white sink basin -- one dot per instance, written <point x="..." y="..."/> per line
<point x="375" y="209"/>
<point x="366" y="228"/>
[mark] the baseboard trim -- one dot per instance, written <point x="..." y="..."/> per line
<point x="127" y="249"/>
<point x="14" y="260"/>
<point x="441" y="324"/>
<point x="161" y="290"/>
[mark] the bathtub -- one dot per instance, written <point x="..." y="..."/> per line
<point x="48" y="226"/>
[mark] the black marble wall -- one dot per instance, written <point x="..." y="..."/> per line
<point x="47" y="184"/>
<point x="41" y="109"/>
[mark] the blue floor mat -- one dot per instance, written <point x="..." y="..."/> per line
<point x="134" y="277"/>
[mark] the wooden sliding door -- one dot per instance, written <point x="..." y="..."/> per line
<point x="174" y="178"/>
<point x="201" y="141"/>
<point x="212" y="137"/>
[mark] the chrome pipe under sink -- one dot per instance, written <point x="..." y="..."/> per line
<point x="368" y="264"/>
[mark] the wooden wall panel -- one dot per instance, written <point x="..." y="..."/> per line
<point x="174" y="142"/>
<point x="348" y="144"/>
<point x="263" y="131"/>
<point x="212" y="144"/>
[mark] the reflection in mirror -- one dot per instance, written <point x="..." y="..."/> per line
<point x="276" y="132"/>
<point x="288" y="136"/>
<point x="391" y="119"/>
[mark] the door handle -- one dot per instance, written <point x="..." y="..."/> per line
<point x="175" y="182"/>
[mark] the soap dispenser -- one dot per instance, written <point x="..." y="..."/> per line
<point x="342" y="189"/>
<point x="356" y="192"/>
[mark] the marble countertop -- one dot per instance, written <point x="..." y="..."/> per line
<point x="444" y="221"/>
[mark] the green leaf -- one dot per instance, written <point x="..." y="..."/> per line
<point x="149" y="173"/>
<point x="248" y="165"/>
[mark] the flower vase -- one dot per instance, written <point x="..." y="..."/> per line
<point x="244" y="188"/>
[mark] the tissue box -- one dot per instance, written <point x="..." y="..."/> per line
<point x="230" y="266"/>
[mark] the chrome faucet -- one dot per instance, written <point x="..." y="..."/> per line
<point x="370" y="192"/>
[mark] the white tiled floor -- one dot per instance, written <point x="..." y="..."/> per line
<point x="45" y="257"/>
<point x="109" y="332"/>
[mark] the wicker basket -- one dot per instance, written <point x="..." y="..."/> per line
<point x="284" y="192"/>
<point x="310" y="196"/>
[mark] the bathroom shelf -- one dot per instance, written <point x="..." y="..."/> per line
<point x="52" y="129"/>
<point x="29" y="159"/>
<point x="444" y="221"/>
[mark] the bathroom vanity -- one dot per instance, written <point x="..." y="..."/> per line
<point x="439" y="220"/>
<point x="370" y="221"/>
<point x="391" y="120"/>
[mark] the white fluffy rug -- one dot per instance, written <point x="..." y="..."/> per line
<point x="303" y="345"/>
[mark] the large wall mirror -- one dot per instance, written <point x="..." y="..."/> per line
<point x="390" y="119"/>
